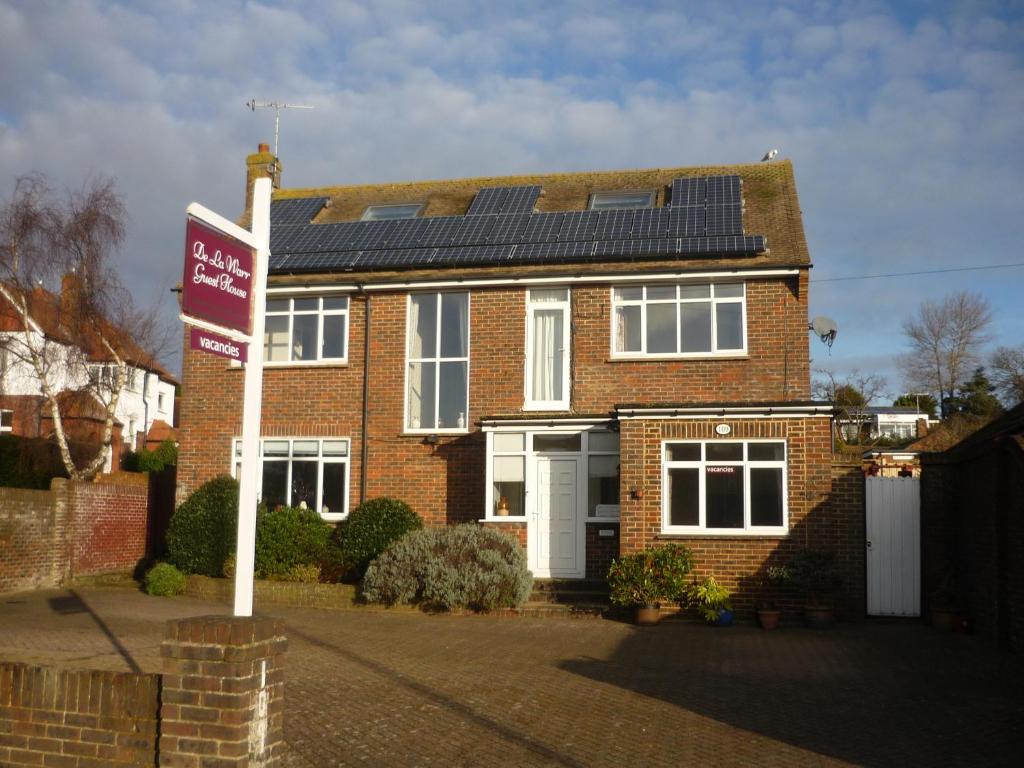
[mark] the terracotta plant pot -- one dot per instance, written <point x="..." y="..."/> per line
<point x="942" y="618"/>
<point x="768" y="618"/>
<point x="647" y="615"/>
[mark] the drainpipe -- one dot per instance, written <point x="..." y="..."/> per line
<point x="366" y="394"/>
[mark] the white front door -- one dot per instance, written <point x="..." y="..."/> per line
<point x="555" y="544"/>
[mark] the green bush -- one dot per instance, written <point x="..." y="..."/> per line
<point x="464" y="566"/>
<point x="203" y="530"/>
<point x="709" y="598"/>
<point x="157" y="460"/>
<point x="303" y="574"/>
<point x="645" y="578"/>
<point x="372" y="527"/>
<point x="287" y="537"/>
<point x="164" y="580"/>
<point x="333" y="567"/>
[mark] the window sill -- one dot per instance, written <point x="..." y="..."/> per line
<point x="603" y="520"/>
<point x="546" y="407"/>
<point x="692" y="356"/>
<point x="305" y="364"/>
<point x="428" y="432"/>
<point x="505" y="519"/>
<point x="712" y="535"/>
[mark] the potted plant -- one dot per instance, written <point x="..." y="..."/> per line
<point x="643" y="579"/>
<point x="711" y="599"/>
<point x="768" y="613"/>
<point x="816" y="576"/>
<point x="943" y="604"/>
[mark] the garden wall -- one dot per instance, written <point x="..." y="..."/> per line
<point x="74" y="529"/>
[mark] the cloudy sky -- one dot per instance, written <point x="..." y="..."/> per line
<point x="903" y="120"/>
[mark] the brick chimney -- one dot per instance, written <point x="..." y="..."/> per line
<point x="922" y="428"/>
<point x="70" y="297"/>
<point x="262" y="165"/>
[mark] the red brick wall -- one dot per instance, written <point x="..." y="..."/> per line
<point x="445" y="482"/>
<point x="74" y="529"/>
<point x="601" y="550"/>
<point x="817" y="518"/>
<point x="76" y="718"/>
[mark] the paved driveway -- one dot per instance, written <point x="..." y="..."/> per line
<point x="403" y="689"/>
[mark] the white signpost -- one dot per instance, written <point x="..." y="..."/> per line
<point x="224" y="296"/>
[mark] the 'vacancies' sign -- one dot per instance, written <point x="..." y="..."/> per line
<point x="217" y="286"/>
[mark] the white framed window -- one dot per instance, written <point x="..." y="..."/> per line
<point x="296" y="471"/>
<point x="724" y="487"/>
<point x="6" y="420"/>
<point x="161" y="401"/>
<point x="437" y="363"/>
<point x="604" y="201"/>
<point x="387" y="212"/>
<point x="684" y="320"/>
<point x="306" y="329"/>
<point x="131" y="379"/>
<point x="548" y="335"/>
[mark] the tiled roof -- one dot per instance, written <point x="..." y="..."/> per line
<point x="771" y="209"/>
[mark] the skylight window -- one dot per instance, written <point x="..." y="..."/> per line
<point x="387" y="212"/>
<point x="606" y="201"/>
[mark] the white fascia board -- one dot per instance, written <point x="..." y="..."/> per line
<point x="487" y="282"/>
<point x="556" y="423"/>
<point x="737" y="412"/>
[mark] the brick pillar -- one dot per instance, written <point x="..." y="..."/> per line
<point x="222" y="700"/>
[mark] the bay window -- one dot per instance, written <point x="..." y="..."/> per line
<point x="437" y="367"/>
<point x="725" y="487"/>
<point x="679" y="320"/>
<point x="297" y="471"/>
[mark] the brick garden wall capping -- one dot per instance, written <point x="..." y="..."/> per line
<point x="275" y="592"/>
<point x="74" y="529"/>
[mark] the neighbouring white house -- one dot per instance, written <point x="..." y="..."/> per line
<point x="84" y="375"/>
<point x="894" y="422"/>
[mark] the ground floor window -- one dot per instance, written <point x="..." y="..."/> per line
<point x="310" y="472"/>
<point x="724" y="487"/>
<point x="6" y="421"/>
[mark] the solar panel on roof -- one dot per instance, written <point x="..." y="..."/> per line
<point x="504" y="200"/>
<point x="488" y="201"/>
<point x="688" y="190"/>
<point x="725" y="219"/>
<point x="295" y="211"/>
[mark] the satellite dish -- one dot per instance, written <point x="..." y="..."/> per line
<point x="825" y="328"/>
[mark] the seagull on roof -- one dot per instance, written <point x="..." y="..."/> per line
<point x="770" y="155"/>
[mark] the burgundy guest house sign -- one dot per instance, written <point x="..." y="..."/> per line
<point x="217" y="288"/>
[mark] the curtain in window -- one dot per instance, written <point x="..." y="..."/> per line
<point x="547" y="355"/>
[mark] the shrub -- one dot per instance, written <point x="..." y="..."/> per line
<point x="157" y="460"/>
<point x="709" y="597"/>
<point x="644" y="578"/>
<point x="815" y="574"/>
<point x="333" y="567"/>
<point x="229" y="566"/>
<point x="165" y="580"/>
<point x="372" y="527"/>
<point x="465" y="566"/>
<point x="287" y="537"/>
<point x="203" y="530"/>
<point x="304" y="574"/>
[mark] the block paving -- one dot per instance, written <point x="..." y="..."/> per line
<point x="379" y="688"/>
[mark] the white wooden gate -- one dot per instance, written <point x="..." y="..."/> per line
<point x="893" y="530"/>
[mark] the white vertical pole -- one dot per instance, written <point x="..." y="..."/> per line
<point x="251" y="405"/>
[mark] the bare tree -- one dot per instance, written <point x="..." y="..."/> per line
<point x="1007" y="364"/>
<point x="64" y="314"/>
<point x="945" y="338"/>
<point x="850" y="397"/>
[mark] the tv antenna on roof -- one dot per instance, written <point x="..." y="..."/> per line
<point x="825" y="328"/>
<point x="277" y="106"/>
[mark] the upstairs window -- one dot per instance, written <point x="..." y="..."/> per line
<point x="606" y="201"/>
<point x="679" y="320"/>
<point x="547" y="344"/>
<point x="437" y="369"/>
<point x="304" y="329"/>
<point x="388" y="212"/>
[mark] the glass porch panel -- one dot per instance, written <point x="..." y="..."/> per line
<point x="602" y="482"/>
<point x="544" y="443"/>
<point x="509" y="475"/>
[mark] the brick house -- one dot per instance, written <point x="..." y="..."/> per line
<point x="85" y="385"/>
<point x="593" y="362"/>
